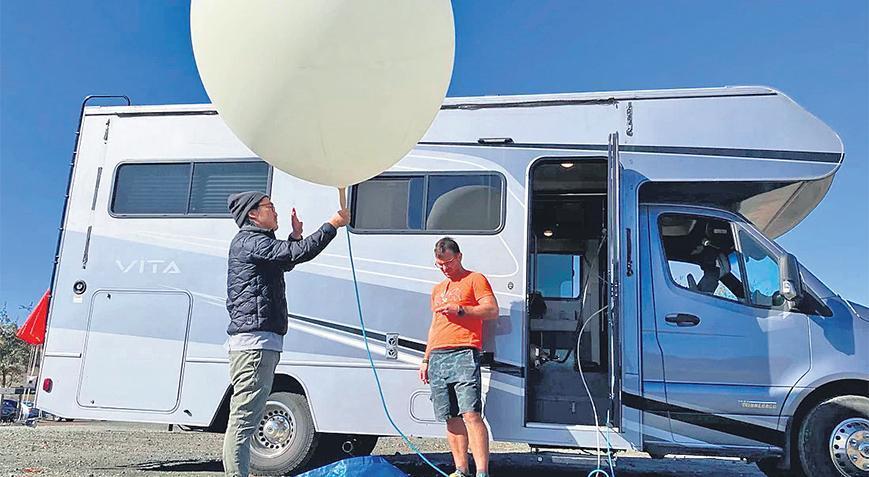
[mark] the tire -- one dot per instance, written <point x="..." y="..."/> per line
<point x="828" y="434"/>
<point x="285" y="439"/>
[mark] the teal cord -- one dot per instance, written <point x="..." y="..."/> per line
<point x="374" y="369"/>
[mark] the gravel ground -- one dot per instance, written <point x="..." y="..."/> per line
<point x="98" y="449"/>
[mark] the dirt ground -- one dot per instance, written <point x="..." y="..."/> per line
<point x="98" y="449"/>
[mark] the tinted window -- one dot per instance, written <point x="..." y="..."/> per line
<point x="214" y="182"/>
<point x="558" y="276"/>
<point x="428" y="202"/>
<point x="184" y="188"/>
<point x="389" y="204"/>
<point x="152" y="189"/>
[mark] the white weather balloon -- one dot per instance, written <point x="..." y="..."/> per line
<point x="330" y="91"/>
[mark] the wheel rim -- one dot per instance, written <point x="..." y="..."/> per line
<point x="275" y="430"/>
<point x="849" y="447"/>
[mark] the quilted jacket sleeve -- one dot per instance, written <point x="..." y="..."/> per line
<point x="288" y="253"/>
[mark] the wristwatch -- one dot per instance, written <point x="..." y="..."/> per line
<point x="461" y="310"/>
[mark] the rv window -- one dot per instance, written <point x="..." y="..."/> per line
<point x="463" y="203"/>
<point x="389" y="203"/>
<point x="184" y="188"/>
<point x="214" y="182"/>
<point x="762" y="272"/>
<point x="151" y="189"/>
<point x="558" y="275"/>
<point x="701" y="255"/>
<point x="422" y="203"/>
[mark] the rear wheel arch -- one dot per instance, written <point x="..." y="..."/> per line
<point x="287" y="383"/>
<point x="282" y="383"/>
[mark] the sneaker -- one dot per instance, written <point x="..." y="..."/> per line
<point x="459" y="473"/>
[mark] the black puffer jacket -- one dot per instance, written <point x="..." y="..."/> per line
<point x="255" y="290"/>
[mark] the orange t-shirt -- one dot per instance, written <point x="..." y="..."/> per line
<point x="458" y="331"/>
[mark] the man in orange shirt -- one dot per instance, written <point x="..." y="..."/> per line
<point x="451" y="365"/>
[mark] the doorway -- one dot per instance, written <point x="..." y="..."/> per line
<point x="567" y="293"/>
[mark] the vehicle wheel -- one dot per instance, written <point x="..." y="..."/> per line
<point x="285" y="439"/>
<point x="834" y="438"/>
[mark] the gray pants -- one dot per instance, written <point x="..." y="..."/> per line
<point x="251" y="373"/>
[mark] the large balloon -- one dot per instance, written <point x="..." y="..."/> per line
<point x="330" y="91"/>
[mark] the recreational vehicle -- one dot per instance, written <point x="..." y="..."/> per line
<point x="629" y="238"/>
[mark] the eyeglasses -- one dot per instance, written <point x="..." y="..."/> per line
<point x="446" y="264"/>
<point x="267" y="206"/>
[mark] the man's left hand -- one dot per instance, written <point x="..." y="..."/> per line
<point x="297" y="226"/>
<point x="451" y="310"/>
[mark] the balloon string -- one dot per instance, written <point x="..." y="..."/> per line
<point x="374" y="368"/>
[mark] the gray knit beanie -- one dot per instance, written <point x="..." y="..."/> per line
<point x="242" y="203"/>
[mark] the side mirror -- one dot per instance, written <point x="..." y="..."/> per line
<point x="778" y="299"/>
<point x="791" y="282"/>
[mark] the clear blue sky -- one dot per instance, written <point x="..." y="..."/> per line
<point x="56" y="52"/>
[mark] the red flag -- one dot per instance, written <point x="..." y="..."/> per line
<point x="33" y="330"/>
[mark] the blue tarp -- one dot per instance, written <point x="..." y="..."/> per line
<point x="368" y="466"/>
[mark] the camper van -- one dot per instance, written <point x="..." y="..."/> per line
<point x="629" y="238"/>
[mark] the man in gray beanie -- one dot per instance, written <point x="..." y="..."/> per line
<point x="257" y="303"/>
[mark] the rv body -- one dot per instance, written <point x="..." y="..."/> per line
<point x="648" y="217"/>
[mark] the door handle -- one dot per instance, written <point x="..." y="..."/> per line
<point x="682" y="319"/>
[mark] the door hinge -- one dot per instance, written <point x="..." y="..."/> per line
<point x="106" y="134"/>
<point x="630" y="260"/>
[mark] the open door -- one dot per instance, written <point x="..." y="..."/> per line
<point x="572" y="309"/>
<point x="614" y="174"/>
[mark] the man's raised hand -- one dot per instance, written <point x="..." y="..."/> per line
<point x="297" y="226"/>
